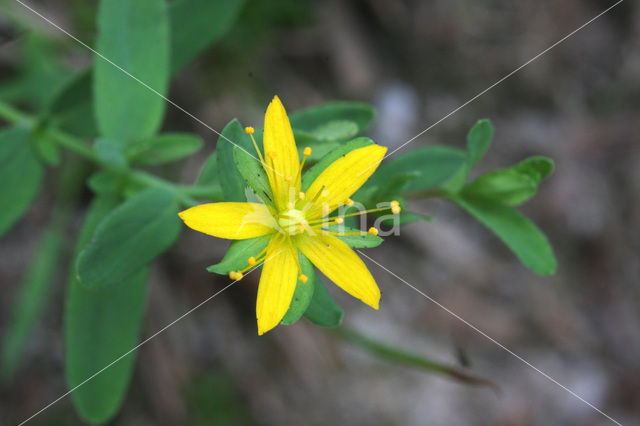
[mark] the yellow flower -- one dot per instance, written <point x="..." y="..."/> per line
<point x="295" y="221"/>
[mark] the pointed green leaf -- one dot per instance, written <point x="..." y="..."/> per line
<point x="478" y="141"/>
<point x="129" y="238"/>
<point x="32" y="297"/>
<point x="134" y="35"/>
<point x="196" y="24"/>
<point x="322" y="310"/>
<point x="231" y="180"/>
<point x="312" y="119"/>
<point x="209" y="172"/>
<point x="419" y="170"/>
<point x="303" y="294"/>
<point x="520" y="234"/>
<point x="239" y="253"/>
<point x="101" y="325"/>
<point x="254" y="175"/>
<point x="20" y="175"/>
<point x="512" y="186"/>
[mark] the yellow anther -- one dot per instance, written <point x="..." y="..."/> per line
<point x="303" y="278"/>
<point x="349" y="202"/>
<point x="300" y="227"/>
<point x="235" y="275"/>
<point x="325" y="193"/>
<point x="306" y="152"/>
<point x="288" y="178"/>
<point x="301" y="195"/>
<point x="394" y="203"/>
<point x="290" y="205"/>
<point x="373" y="231"/>
<point x="249" y="130"/>
<point x="304" y="222"/>
<point x="252" y="261"/>
<point x="271" y="154"/>
<point x="396" y="209"/>
<point x="339" y="220"/>
<point x="326" y="209"/>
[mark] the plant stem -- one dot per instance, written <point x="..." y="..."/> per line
<point x="186" y="193"/>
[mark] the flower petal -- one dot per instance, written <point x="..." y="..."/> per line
<point x="278" y="140"/>
<point x="277" y="284"/>
<point x="343" y="177"/>
<point x="341" y="265"/>
<point x="233" y="221"/>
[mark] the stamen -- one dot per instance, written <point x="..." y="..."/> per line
<point x="306" y="152"/>
<point x="373" y="231"/>
<point x="288" y="178"/>
<point x="301" y="195"/>
<point x="252" y="261"/>
<point x="325" y="193"/>
<point x="339" y="220"/>
<point x="349" y="202"/>
<point x="290" y="205"/>
<point x="303" y="278"/>
<point x="396" y="209"/>
<point x="249" y="131"/>
<point x="394" y="203"/>
<point x="271" y="154"/>
<point x="235" y="275"/>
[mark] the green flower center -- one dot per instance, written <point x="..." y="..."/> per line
<point x="292" y="222"/>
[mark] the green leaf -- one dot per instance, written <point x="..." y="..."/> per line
<point x="33" y="294"/>
<point x="164" y="148"/>
<point x="512" y="186"/>
<point x="362" y="240"/>
<point x="478" y="140"/>
<point x="72" y="110"/>
<point x="196" y="24"/>
<point x="20" y="175"/>
<point x="45" y="147"/>
<point x="129" y="238"/>
<point x="327" y="160"/>
<point x="231" y="180"/>
<point x="520" y="234"/>
<point x="239" y="253"/>
<point x="418" y="170"/>
<point x="134" y="35"/>
<point x="101" y="325"/>
<point x="322" y="310"/>
<point x="536" y="167"/>
<point x="313" y="118"/>
<point x="209" y="173"/>
<point x="111" y="151"/>
<point x="303" y="294"/>
<point x="253" y="174"/>
<point x="335" y="130"/>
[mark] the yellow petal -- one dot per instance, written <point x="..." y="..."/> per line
<point x="341" y="265"/>
<point x="277" y="284"/>
<point x="281" y="154"/>
<point x="342" y="178"/>
<point x="233" y="221"/>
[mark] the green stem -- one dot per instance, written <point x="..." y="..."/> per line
<point x="401" y="356"/>
<point x="186" y="193"/>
